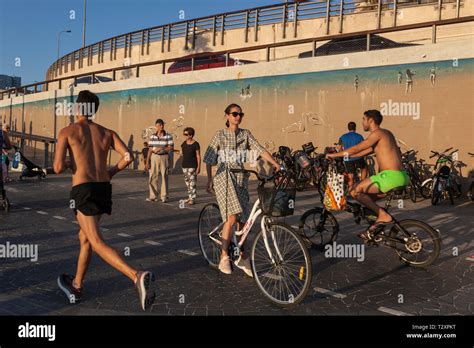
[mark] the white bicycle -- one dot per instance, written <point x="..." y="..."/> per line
<point x="281" y="264"/>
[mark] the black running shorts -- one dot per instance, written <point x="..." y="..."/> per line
<point x="92" y="198"/>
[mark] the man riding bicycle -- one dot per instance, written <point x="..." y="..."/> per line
<point x="391" y="174"/>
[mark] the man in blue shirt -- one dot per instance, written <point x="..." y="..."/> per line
<point x="348" y="140"/>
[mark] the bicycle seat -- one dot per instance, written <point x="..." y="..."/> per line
<point x="396" y="190"/>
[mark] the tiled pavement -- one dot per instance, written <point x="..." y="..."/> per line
<point x="162" y="238"/>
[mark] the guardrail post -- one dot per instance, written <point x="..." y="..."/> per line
<point x="285" y="9"/>
<point x="194" y="35"/>
<point x="328" y="6"/>
<point x="341" y="13"/>
<point x="295" y="22"/>
<point x="125" y="50"/>
<point x="256" y="25"/>
<point x="433" y="34"/>
<point x="111" y="49"/>
<point x="186" y="34"/>
<point x="227" y="59"/>
<point x="193" y="61"/>
<point x="148" y="42"/>
<point x="458" y="5"/>
<point x="162" y="39"/>
<point x="368" y="42"/>
<point x="440" y="7"/>
<point x="313" y="52"/>
<point x="143" y="43"/>
<point x="163" y="68"/>
<point x="268" y="53"/>
<point x="46" y="154"/>
<point x="395" y="12"/>
<point x="214" y="24"/>
<point x="169" y="38"/>
<point x="379" y="13"/>
<point x="222" y="29"/>
<point x="246" y="36"/>
<point x="138" y="71"/>
<point x="113" y="76"/>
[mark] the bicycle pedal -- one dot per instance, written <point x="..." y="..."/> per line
<point x="377" y="239"/>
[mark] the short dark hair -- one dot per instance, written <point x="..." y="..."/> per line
<point x="351" y="126"/>
<point x="87" y="98"/>
<point x="374" y="115"/>
<point x="189" y="130"/>
<point x="227" y="111"/>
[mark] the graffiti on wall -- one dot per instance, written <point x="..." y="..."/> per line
<point x="307" y="120"/>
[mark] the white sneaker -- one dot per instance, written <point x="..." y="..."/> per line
<point x="224" y="265"/>
<point x="244" y="265"/>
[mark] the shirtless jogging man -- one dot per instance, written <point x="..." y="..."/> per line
<point x="91" y="195"/>
<point x="391" y="174"/>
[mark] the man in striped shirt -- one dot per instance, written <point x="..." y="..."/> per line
<point x="158" y="161"/>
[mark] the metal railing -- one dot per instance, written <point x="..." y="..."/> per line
<point x="44" y="85"/>
<point x="47" y="141"/>
<point x="219" y="23"/>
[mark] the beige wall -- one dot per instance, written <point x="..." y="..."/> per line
<point x="321" y="108"/>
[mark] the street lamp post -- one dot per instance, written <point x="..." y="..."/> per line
<point x="59" y="38"/>
<point x="84" y="27"/>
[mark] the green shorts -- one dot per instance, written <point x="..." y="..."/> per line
<point x="389" y="179"/>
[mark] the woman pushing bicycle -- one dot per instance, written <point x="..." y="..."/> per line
<point x="229" y="149"/>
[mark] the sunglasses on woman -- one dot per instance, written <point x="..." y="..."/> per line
<point x="186" y="134"/>
<point x="235" y="114"/>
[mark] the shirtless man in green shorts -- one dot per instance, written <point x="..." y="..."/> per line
<point x="391" y="174"/>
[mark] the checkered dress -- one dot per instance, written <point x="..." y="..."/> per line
<point x="231" y="188"/>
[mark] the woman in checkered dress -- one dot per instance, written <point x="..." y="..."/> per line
<point x="229" y="149"/>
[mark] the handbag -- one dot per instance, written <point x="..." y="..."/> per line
<point x="334" y="195"/>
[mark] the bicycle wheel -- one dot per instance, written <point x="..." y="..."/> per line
<point x="418" y="243"/>
<point x="426" y="189"/>
<point x="300" y="185"/>
<point x="412" y="193"/>
<point x="450" y="194"/>
<point x="319" y="226"/>
<point x="209" y="219"/>
<point x="286" y="278"/>
<point x="470" y="192"/>
<point x="436" y="193"/>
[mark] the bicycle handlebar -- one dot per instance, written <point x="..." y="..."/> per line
<point x="259" y="177"/>
<point x="452" y="152"/>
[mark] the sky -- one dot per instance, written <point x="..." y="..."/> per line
<point x="29" y="28"/>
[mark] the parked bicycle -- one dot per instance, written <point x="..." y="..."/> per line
<point x="470" y="191"/>
<point x="443" y="184"/>
<point x="281" y="263"/>
<point x="413" y="168"/>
